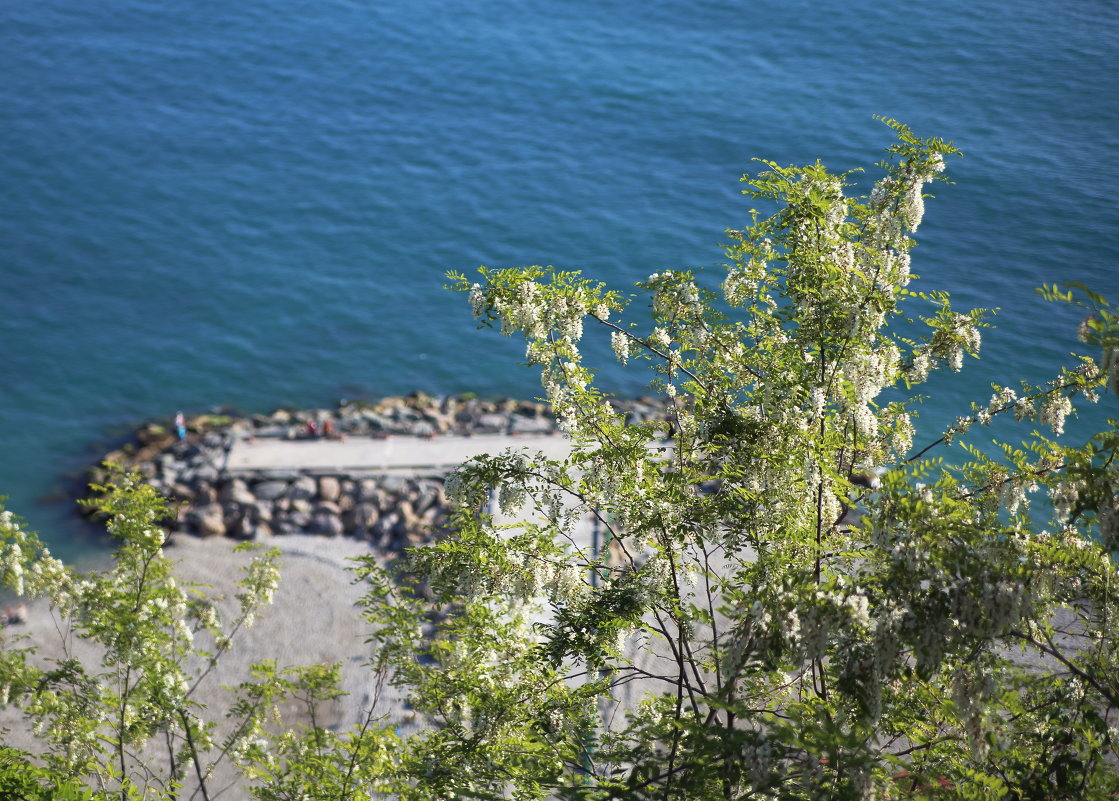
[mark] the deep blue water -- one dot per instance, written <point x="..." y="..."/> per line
<point x="254" y="203"/>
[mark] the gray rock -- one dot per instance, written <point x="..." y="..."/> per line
<point x="327" y="524"/>
<point x="491" y="423"/>
<point x="272" y="432"/>
<point x="367" y="490"/>
<point x="300" y="521"/>
<point x="304" y="488"/>
<point x="375" y="421"/>
<point x="329" y="488"/>
<point x="270" y="490"/>
<point x="208" y="520"/>
<point x="287" y="476"/>
<point x="423" y="428"/>
<point x="257" y="531"/>
<point x="386" y="530"/>
<point x="429" y="497"/>
<point x="393" y="484"/>
<point x="181" y="492"/>
<point x="206" y="472"/>
<point x="530" y="425"/>
<point x="301" y="505"/>
<point x="262" y="511"/>
<point x="408" y="516"/>
<point x="236" y="491"/>
<point x="362" y="516"/>
<point x="283" y="527"/>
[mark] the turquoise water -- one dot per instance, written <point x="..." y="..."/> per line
<point x="254" y="203"/>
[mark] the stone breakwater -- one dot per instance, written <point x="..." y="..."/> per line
<point x="391" y="509"/>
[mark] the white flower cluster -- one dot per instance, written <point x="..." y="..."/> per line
<point x="673" y="295"/>
<point x="11" y="564"/>
<point x="1014" y="492"/>
<point x="866" y="422"/>
<point x="832" y="615"/>
<point x="923" y="363"/>
<point x="757" y="759"/>
<point x="619" y="341"/>
<point x="913" y="206"/>
<point x="463" y="488"/>
<point x="971" y="689"/>
<point x="259" y="585"/>
<point x="533" y="312"/>
<point x="513" y="493"/>
<point x="898" y="436"/>
<point x="31" y="574"/>
<point x="1005" y="602"/>
<point x="741" y="284"/>
<point x="1064" y="495"/>
<point x="1055" y="408"/>
<point x="897" y="201"/>
<point x="1004" y="398"/>
<point x="816" y="402"/>
<point x="959" y="426"/>
<point x="872" y="372"/>
<point x="964" y="336"/>
<point x="654" y="579"/>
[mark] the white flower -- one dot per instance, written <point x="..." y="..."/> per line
<point x="477" y="300"/>
<point x="923" y="363"/>
<point x="619" y="341"/>
<point x="1054" y="411"/>
<point x="817" y="401"/>
<point x="913" y="207"/>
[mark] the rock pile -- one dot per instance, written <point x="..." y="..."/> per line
<point x="389" y="510"/>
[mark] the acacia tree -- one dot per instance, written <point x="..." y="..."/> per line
<point x="796" y="602"/>
<point x="952" y="640"/>
<point x="121" y="717"/>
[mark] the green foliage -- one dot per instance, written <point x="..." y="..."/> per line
<point x="23" y="780"/>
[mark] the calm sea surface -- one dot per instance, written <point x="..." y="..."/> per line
<point x="254" y="203"/>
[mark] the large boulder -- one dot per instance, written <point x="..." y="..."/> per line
<point x="327" y="524"/>
<point x="237" y="491"/>
<point x="270" y="490"/>
<point x="304" y="488"/>
<point x="208" y="520"/>
<point x="360" y="518"/>
<point x="387" y="530"/>
<point x="491" y="424"/>
<point x="329" y="488"/>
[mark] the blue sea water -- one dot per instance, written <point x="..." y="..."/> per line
<point x="254" y="203"/>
